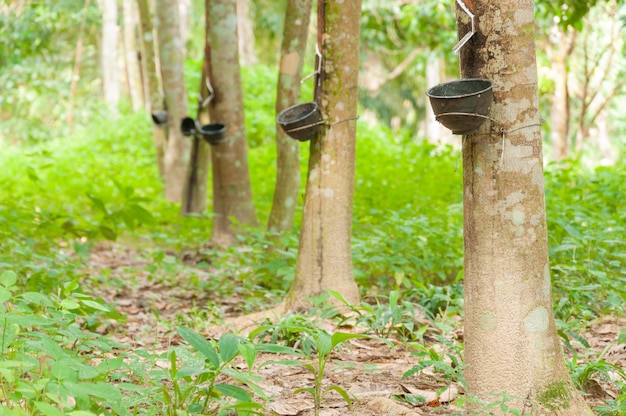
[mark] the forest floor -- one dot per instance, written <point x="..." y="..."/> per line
<point x="368" y="369"/>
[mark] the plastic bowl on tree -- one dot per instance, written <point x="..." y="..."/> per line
<point x="213" y="132"/>
<point x="301" y="121"/>
<point x="463" y="105"/>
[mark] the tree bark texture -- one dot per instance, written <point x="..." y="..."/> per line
<point x="511" y="344"/>
<point x="178" y="147"/>
<point x="232" y="193"/>
<point x="133" y="66"/>
<point x="108" y="54"/>
<point x="152" y="82"/>
<point x="325" y="257"/>
<point x="293" y="49"/>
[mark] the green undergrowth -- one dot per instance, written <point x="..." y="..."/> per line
<point x="62" y="197"/>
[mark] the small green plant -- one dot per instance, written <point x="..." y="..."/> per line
<point x="387" y="318"/>
<point x="195" y="387"/>
<point x="447" y="363"/>
<point x="503" y="404"/>
<point x="613" y="407"/>
<point x="311" y="341"/>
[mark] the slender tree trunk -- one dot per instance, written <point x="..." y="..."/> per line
<point x="110" y="34"/>
<point x="232" y="192"/>
<point x="196" y="190"/>
<point x="78" y="55"/>
<point x="511" y="344"/>
<point x="297" y="19"/>
<point x="184" y="17"/>
<point x="563" y="44"/>
<point x="178" y="147"/>
<point x="245" y="32"/>
<point x="152" y="81"/>
<point x="325" y="257"/>
<point x="132" y="55"/>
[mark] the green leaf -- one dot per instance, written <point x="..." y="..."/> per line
<point x="69" y="304"/>
<point x="339" y="337"/>
<point x="324" y="343"/>
<point x="290" y="363"/>
<point x="95" y="305"/>
<point x="342" y="393"/>
<point x="5" y="295"/>
<point x="36" y="298"/>
<point x="228" y="346"/>
<point x="47" y="409"/>
<point x="108" y="232"/>
<point x="199" y="343"/>
<point x="622" y="337"/>
<point x="305" y="390"/>
<point x="97" y="202"/>
<point x="8" y="278"/>
<point x="233" y="391"/>
<point x="248" y="352"/>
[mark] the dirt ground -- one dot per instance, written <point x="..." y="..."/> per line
<point x="368" y="369"/>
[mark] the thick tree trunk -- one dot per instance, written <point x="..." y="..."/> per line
<point x="232" y="193"/>
<point x="152" y="82"/>
<point x="325" y="257"/>
<point x="511" y="344"/>
<point x="293" y="49"/>
<point x="132" y="56"/>
<point x="178" y="147"/>
<point x="108" y="55"/>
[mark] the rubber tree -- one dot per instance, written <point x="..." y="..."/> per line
<point x="152" y="82"/>
<point x="108" y="54"/>
<point x="195" y="195"/>
<point x="131" y="49"/>
<point x="178" y="147"/>
<point x="511" y="342"/>
<point x="297" y="17"/>
<point x="324" y="256"/>
<point x="232" y="193"/>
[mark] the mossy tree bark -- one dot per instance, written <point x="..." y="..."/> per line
<point x="178" y="147"/>
<point x="152" y="82"/>
<point x="324" y="257"/>
<point x="511" y="343"/>
<point x="232" y="193"/>
<point x="293" y="49"/>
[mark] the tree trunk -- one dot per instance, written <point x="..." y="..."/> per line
<point x="293" y="50"/>
<point x="152" y="82"/>
<point x="563" y="44"/>
<point x="511" y="344"/>
<point x="325" y="257"/>
<point x="232" y="193"/>
<point x="196" y="189"/>
<point x="178" y="147"/>
<point x="110" y="34"/>
<point x="245" y="33"/>
<point x="132" y="56"/>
